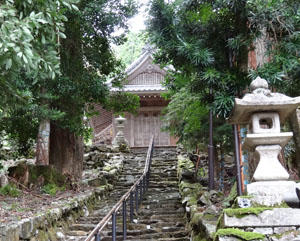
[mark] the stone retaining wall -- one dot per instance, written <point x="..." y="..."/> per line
<point x="43" y="226"/>
<point x="102" y="167"/>
<point x="202" y="215"/>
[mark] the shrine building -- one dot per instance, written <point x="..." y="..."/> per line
<point x="145" y="79"/>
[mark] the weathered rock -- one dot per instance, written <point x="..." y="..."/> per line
<point x="225" y="238"/>
<point x="266" y="231"/>
<point x="243" y="202"/>
<point x="204" y="200"/>
<point x="101" y="180"/>
<point x="26" y="228"/>
<point x="186" y="174"/>
<point x="60" y="236"/>
<point x="277" y="217"/>
<point x="279" y="230"/>
<point x="3" y="180"/>
<point x="270" y="193"/>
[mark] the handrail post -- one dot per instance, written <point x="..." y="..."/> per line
<point x="131" y="207"/>
<point x="141" y="191"/>
<point x="124" y="221"/>
<point x="137" y="198"/>
<point x="144" y="184"/>
<point x="114" y="226"/>
<point x="97" y="236"/>
<point x="147" y="180"/>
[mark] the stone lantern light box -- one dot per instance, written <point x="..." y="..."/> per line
<point x="264" y="111"/>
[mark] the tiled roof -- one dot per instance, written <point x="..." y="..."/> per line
<point x="140" y="88"/>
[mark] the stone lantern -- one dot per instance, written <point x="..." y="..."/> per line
<point x="119" y="140"/>
<point x="263" y="111"/>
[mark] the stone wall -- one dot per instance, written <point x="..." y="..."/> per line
<point x="102" y="166"/>
<point x="43" y="226"/>
<point x="200" y="205"/>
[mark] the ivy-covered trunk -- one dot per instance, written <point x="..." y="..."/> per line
<point x="42" y="146"/>
<point x="295" y="124"/>
<point x="66" y="152"/>
<point x="66" y="147"/>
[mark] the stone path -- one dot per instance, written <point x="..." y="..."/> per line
<point x="160" y="216"/>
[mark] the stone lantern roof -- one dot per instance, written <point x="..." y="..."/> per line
<point x="262" y="100"/>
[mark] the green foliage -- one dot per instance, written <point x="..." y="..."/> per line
<point x="26" y="28"/>
<point x="132" y="48"/>
<point x="183" y="116"/>
<point x="120" y="102"/>
<point x="52" y="189"/>
<point x="281" y="22"/>
<point x="206" y="42"/>
<point x="10" y="190"/>
<point x="88" y="61"/>
<point x="55" y="60"/>
<point x="28" y="59"/>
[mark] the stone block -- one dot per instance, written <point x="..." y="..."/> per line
<point x="26" y="228"/>
<point x="265" y="231"/>
<point x="228" y="239"/>
<point x="9" y="233"/>
<point x="272" y="193"/>
<point x="277" y="217"/>
<point x="279" y="230"/>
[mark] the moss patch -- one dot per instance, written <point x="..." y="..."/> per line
<point x="242" y="212"/>
<point x="239" y="234"/>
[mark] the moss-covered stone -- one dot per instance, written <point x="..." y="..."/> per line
<point x="242" y="212"/>
<point x="234" y="232"/>
<point x="229" y="200"/>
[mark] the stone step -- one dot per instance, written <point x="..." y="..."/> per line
<point x="160" y="215"/>
<point x="179" y="235"/>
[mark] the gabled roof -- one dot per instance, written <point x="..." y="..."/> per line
<point x="143" y="75"/>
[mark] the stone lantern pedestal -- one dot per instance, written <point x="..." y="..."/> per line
<point x="263" y="111"/>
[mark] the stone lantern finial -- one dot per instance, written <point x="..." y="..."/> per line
<point x="260" y="85"/>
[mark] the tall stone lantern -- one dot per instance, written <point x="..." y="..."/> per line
<point x="263" y="111"/>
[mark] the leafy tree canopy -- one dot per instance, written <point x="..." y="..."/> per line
<point x="132" y="48"/>
<point x="57" y="57"/>
<point x="208" y="42"/>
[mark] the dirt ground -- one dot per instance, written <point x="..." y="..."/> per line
<point x="31" y="203"/>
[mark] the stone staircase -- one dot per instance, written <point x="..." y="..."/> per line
<point x="160" y="216"/>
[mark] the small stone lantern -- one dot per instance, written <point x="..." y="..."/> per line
<point x="263" y="111"/>
<point x="119" y="140"/>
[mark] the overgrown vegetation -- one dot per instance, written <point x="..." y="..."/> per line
<point x="52" y="189"/>
<point x="56" y="63"/>
<point x="208" y="42"/>
<point x="10" y="190"/>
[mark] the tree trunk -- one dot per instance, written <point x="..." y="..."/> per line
<point x="42" y="147"/>
<point x="295" y="123"/>
<point x="66" y="152"/>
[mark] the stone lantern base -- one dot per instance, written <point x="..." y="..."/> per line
<point x="120" y="143"/>
<point x="274" y="193"/>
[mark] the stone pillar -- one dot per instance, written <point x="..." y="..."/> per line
<point x="43" y="144"/>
